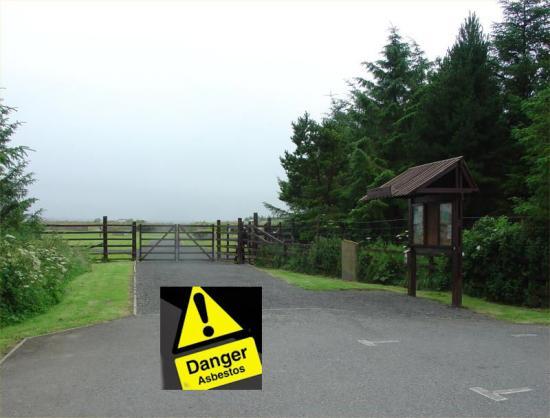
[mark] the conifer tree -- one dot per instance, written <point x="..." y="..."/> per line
<point x="14" y="180"/>
<point x="460" y="113"/>
<point x="522" y="43"/>
<point x="380" y="102"/>
<point x="314" y="168"/>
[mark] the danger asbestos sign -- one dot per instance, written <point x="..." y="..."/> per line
<point x="211" y="337"/>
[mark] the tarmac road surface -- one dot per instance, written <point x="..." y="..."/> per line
<point x="338" y="353"/>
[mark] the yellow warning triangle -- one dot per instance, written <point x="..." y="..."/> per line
<point x="198" y="327"/>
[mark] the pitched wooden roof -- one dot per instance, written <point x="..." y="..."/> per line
<point x="417" y="180"/>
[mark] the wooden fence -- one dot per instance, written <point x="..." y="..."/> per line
<point x="238" y="241"/>
<point x="104" y="241"/>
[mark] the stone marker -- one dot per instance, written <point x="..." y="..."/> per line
<point x="349" y="260"/>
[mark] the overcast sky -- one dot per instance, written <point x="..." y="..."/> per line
<point x="179" y="111"/>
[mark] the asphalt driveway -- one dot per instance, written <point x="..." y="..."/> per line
<point x="342" y="353"/>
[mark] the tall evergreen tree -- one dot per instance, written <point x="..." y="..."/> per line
<point x="459" y="113"/>
<point x="522" y="44"/>
<point x="535" y="137"/>
<point x="14" y="203"/>
<point x="314" y="168"/>
<point x="380" y="102"/>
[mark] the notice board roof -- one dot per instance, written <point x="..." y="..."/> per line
<point x="449" y="176"/>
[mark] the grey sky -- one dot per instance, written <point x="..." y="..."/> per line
<point x="179" y="110"/>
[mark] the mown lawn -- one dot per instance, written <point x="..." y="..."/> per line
<point x="504" y="312"/>
<point x="100" y="295"/>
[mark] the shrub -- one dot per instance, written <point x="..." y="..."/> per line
<point x="33" y="275"/>
<point x="297" y="259"/>
<point x="324" y="256"/>
<point x="436" y="278"/>
<point x="271" y="255"/>
<point x="503" y="263"/>
<point x="321" y="257"/>
<point x="381" y="262"/>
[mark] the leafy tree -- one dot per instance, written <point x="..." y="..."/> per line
<point x="460" y="113"/>
<point x="14" y="203"/>
<point x="536" y="139"/>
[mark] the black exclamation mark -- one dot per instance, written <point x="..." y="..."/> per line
<point x="201" y="307"/>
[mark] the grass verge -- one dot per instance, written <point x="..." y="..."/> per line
<point x="97" y="296"/>
<point x="509" y="313"/>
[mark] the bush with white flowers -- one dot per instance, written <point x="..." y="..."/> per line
<point x="33" y="275"/>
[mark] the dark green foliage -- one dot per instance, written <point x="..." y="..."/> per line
<point x="14" y="203"/>
<point x="324" y="256"/>
<point x="321" y="257"/>
<point x="522" y="43"/>
<point x="460" y="113"/>
<point x="380" y="104"/>
<point x="535" y="139"/>
<point x="384" y="263"/>
<point x="313" y="169"/>
<point x="503" y="264"/>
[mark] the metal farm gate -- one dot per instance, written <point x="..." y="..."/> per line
<point x="182" y="242"/>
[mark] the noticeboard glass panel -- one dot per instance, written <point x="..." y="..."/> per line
<point x="445" y="223"/>
<point x="418" y="224"/>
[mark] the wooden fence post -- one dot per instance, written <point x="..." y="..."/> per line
<point x="105" y="241"/>
<point x="227" y="241"/>
<point x="212" y="242"/>
<point x="140" y="243"/>
<point x="457" y="254"/>
<point x="176" y="242"/>
<point x="411" y="262"/>
<point x="253" y="237"/>
<point x="411" y="255"/>
<point x="240" y="243"/>
<point x="249" y="242"/>
<point x="134" y="241"/>
<point x="218" y="239"/>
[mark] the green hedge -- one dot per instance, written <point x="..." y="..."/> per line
<point x="506" y="262"/>
<point x="503" y="262"/>
<point x="321" y="257"/>
<point x="33" y="275"/>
